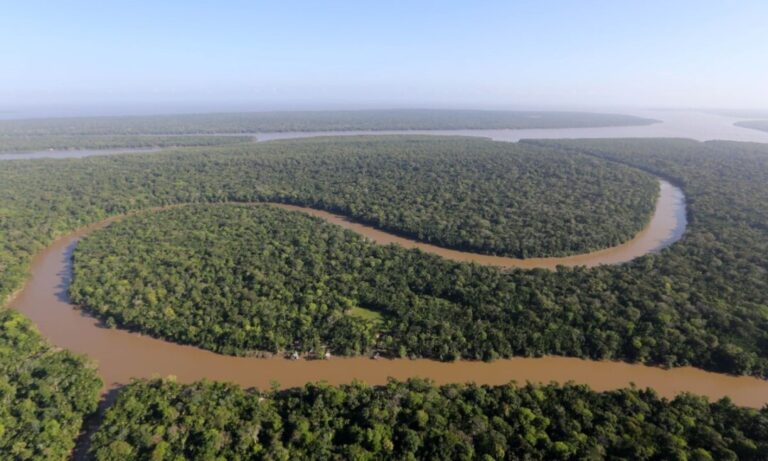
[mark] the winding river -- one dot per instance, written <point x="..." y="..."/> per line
<point x="665" y="227"/>
<point x="123" y="355"/>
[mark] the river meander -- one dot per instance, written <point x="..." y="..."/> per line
<point x="665" y="227"/>
<point x="122" y="355"/>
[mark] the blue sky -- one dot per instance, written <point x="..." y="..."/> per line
<point x="390" y="54"/>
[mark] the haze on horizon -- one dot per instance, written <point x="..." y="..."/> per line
<point x="143" y="56"/>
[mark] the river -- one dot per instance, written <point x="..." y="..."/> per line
<point x="122" y="355"/>
<point x="75" y="153"/>
<point x="700" y="126"/>
<point x="665" y="227"/>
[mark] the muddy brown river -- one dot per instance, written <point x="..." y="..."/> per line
<point x="122" y="355"/>
<point x="665" y="227"/>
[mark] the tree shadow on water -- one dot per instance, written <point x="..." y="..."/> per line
<point x="91" y="424"/>
<point x="65" y="276"/>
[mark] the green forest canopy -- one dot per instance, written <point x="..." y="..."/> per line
<point x="703" y="301"/>
<point x="44" y="393"/>
<point x="417" y="420"/>
<point x="235" y="279"/>
<point x="253" y="122"/>
<point x="463" y="193"/>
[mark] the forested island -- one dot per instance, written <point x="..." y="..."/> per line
<point x="375" y="120"/>
<point x="761" y="125"/>
<point x="701" y="302"/>
<point x="235" y="279"/>
<point x="29" y="143"/>
<point x="416" y="420"/>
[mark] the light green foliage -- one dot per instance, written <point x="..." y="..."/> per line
<point x="366" y="314"/>
<point x="44" y="394"/>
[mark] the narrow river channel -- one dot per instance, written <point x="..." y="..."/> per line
<point x="665" y="227"/>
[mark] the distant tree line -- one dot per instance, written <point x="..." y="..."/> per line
<point x="761" y="125"/>
<point x="350" y="120"/>
<point x="29" y="143"/>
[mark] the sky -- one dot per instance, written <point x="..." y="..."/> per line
<point x="199" y="55"/>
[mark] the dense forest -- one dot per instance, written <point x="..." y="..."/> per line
<point x="28" y="143"/>
<point x="703" y="301"/>
<point x="502" y="198"/>
<point x="761" y="125"/>
<point x="44" y="394"/>
<point x="416" y="420"/>
<point x="235" y="279"/>
<point x="253" y="122"/>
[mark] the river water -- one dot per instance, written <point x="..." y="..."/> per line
<point x="673" y="124"/>
<point x="75" y="153"/>
<point x="666" y="227"/>
<point x="700" y="126"/>
<point x="122" y="355"/>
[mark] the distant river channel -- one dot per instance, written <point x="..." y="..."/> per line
<point x="672" y="124"/>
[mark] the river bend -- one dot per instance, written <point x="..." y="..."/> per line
<point x="122" y="355"/>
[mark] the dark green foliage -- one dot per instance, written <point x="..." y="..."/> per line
<point x="710" y="290"/>
<point x="252" y="122"/>
<point x="702" y="302"/>
<point x="44" y="394"/>
<point x="162" y="420"/>
<point x="234" y="279"/>
<point x="469" y="194"/>
<point x="22" y="143"/>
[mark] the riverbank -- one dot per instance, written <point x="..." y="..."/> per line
<point x="122" y="355"/>
<point x="665" y="227"/>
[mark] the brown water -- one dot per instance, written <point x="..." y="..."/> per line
<point x="666" y="227"/>
<point x="122" y="355"/>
